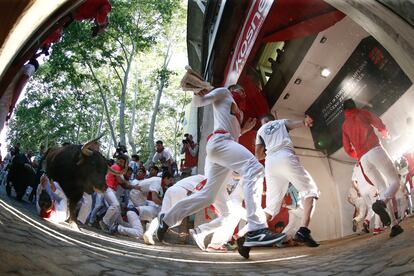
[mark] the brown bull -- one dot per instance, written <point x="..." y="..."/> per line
<point x="77" y="169"/>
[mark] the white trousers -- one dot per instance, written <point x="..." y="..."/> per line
<point x="223" y="233"/>
<point x="281" y="168"/>
<point x="224" y="156"/>
<point x="171" y="196"/>
<point x="369" y="200"/>
<point x="114" y="210"/>
<point x="99" y="203"/>
<point x="135" y="230"/>
<point x="149" y="211"/>
<point x="85" y="209"/>
<point x="379" y="168"/>
<point x="295" y="220"/>
<point x="362" y="209"/>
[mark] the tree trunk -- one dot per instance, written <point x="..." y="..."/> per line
<point x="131" y="127"/>
<point x="178" y="119"/>
<point x="156" y="105"/>
<point x="123" y="97"/>
<point x="105" y="104"/>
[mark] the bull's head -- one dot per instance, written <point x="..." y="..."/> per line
<point x="92" y="166"/>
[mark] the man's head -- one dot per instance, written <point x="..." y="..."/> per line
<point x="45" y="202"/>
<point x="141" y="174"/>
<point x="167" y="178"/>
<point x="279" y="226"/>
<point x="122" y="160"/>
<point x="159" y="147"/>
<point x="154" y="171"/>
<point x="267" y="118"/>
<point x="135" y="157"/>
<point x="128" y="173"/>
<point x="41" y="149"/>
<point x="349" y="104"/>
<point x="239" y="95"/>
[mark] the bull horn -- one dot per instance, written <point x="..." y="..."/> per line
<point x="114" y="172"/>
<point x="85" y="148"/>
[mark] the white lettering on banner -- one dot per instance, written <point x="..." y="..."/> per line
<point x="250" y="31"/>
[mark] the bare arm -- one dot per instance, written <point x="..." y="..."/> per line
<point x="356" y="188"/>
<point x="292" y="124"/>
<point x="248" y="125"/>
<point x="207" y="97"/>
<point x="194" y="151"/>
<point x="260" y="152"/>
<point x="126" y="185"/>
<point x="156" y="198"/>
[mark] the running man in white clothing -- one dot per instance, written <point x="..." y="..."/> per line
<point x="282" y="166"/>
<point x="369" y="194"/>
<point x="174" y="194"/>
<point x="225" y="154"/>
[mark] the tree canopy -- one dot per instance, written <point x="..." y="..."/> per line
<point x="110" y="84"/>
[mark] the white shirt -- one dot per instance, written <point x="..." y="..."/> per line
<point x="139" y="198"/>
<point x="163" y="156"/>
<point x="364" y="187"/>
<point x="222" y="100"/>
<point x="190" y="183"/>
<point x="274" y="136"/>
<point x="61" y="212"/>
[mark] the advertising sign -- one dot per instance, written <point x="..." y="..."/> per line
<point x="251" y="28"/>
<point x="371" y="77"/>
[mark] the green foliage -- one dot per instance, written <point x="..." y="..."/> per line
<point x="64" y="101"/>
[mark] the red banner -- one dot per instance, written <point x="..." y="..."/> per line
<point x="251" y="28"/>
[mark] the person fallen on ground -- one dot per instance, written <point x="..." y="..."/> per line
<point x="51" y="201"/>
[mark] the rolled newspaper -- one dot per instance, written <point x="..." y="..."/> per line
<point x="192" y="81"/>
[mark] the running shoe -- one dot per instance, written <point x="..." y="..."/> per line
<point x="162" y="229"/>
<point x="380" y="209"/>
<point x="243" y="250"/>
<point x="304" y="236"/>
<point x="198" y="238"/>
<point x="365" y="225"/>
<point x="263" y="237"/>
<point x="148" y="239"/>
<point x="396" y="230"/>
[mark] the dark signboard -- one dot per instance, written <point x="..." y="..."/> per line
<point x="371" y="77"/>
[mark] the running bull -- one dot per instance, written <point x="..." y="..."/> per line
<point x="77" y="169"/>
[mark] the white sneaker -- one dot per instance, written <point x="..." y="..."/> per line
<point x="148" y="239"/>
<point x="198" y="237"/>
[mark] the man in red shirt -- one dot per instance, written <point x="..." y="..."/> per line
<point x="112" y="181"/>
<point x="361" y="142"/>
<point x="190" y="149"/>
